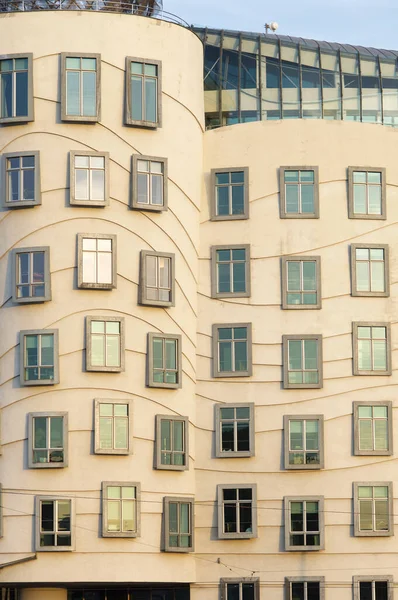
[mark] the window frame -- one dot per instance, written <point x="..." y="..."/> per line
<point x="30" y="116"/>
<point x="104" y="519"/>
<point x="287" y="502"/>
<point x="351" y="214"/>
<point x="390" y="531"/>
<point x="290" y="580"/>
<point x="213" y="196"/>
<point x="224" y="581"/>
<point x="285" y="361"/>
<point x="142" y="296"/>
<point x="354" y="291"/>
<point x="127" y="113"/>
<point x="286" y="442"/>
<point x="134" y="204"/>
<point x="65" y="428"/>
<point x="47" y="276"/>
<point x="158" y="440"/>
<point x="72" y="179"/>
<point x="214" y="271"/>
<point x="215" y="340"/>
<point x="356" y="405"/>
<point x="357" y="579"/>
<point x="5" y="188"/>
<point x="282" y="193"/>
<point x="31" y="382"/>
<point x="236" y="535"/>
<point x="355" y="326"/>
<point x="318" y="304"/>
<point x="150" y="380"/>
<point x="80" y="118"/>
<point x="218" y="421"/>
<point x="105" y="369"/>
<point x="166" y="519"/>
<point x="38" y="500"/>
<point x="114" y="451"/>
<point x="96" y="236"/>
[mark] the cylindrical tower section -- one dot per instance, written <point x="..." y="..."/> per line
<point x="87" y="462"/>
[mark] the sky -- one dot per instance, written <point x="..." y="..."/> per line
<point x="359" y="22"/>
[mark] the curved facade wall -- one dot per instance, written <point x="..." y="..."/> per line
<point x="333" y="147"/>
<point x="56" y="224"/>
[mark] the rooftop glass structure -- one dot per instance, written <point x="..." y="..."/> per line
<point x="253" y="77"/>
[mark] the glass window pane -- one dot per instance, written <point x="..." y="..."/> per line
<point x="375" y="200"/>
<point x="97" y="350"/>
<point x="47" y="349"/>
<point x="112" y="351"/>
<point x="136" y="98"/>
<point x="150" y="100"/>
<point x="105" y="267"/>
<point x="225" y="350"/>
<point x="157" y="190"/>
<point x="296" y="435"/>
<point x="97" y="185"/>
<point x="292" y="198"/>
<point x="240" y="356"/>
<point x="309" y="275"/>
<point x="364" y="355"/>
<point x="81" y="184"/>
<point x="105" y="433"/>
<point x="377" y="274"/>
<point x="28" y="184"/>
<point x="142" y="188"/>
<point x="178" y="436"/>
<point x="222" y="199"/>
<point x="40" y="432"/>
<point x="362" y="276"/>
<point x="56" y="432"/>
<point x="225" y="333"/>
<point x="21" y="94"/>
<point x="237" y="199"/>
<point x="171" y="354"/>
<point x="379" y="355"/>
<point x="114" y="516"/>
<point x="112" y="327"/>
<point x="121" y="433"/>
<point x="137" y="68"/>
<point x="295" y="361"/>
<point x="381" y="435"/>
<point x="365" y="435"/>
<point x="360" y="199"/>
<point x="72" y="93"/>
<point x="312" y="441"/>
<point x="89" y="94"/>
<point x="89" y="267"/>
<point x="72" y="63"/>
<point x="293" y="276"/>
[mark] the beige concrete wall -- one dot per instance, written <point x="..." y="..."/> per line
<point x="264" y="147"/>
<point x="56" y="224"/>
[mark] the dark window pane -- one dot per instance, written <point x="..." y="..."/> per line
<point x="229" y="70"/>
<point x="243" y="437"/>
<point x="47" y="516"/>
<point x="381" y="588"/>
<point x="247" y="591"/>
<point x="273" y="73"/>
<point x="248" y="72"/>
<point x="233" y="591"/>
<point x="21" y="108"/>
<point x="310" y="77"/>
<point x="245" y="517"/>
<point x="313" y="590"/>
<point x="6" y="95"/>
<point x="227" y="435"/>
<point x="365" y="590"/>
<point x="298" y="590"/>
<point x="211" y="65"/>
<point x="290" y="75"/>
<point x="230" y="524"/>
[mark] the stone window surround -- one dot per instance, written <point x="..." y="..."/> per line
<point x="285" y="362"/>
<point x="224" y="581"/>
<point x="301" y="417"/>
<point x="292" y="258"/>
<point x="390" y="531"/>
<point x="114" y="451"/>
<point x="388" y="405"/>
<point x="30" y="115"/>
<point x="237" y="535"/>
<point x="134" y="204"/>
<point x="38" y="501"/>
<point x="143" y="300"/>
<point x="121" y="534"/>
<point x="235" y="453"/>
<point x="158" y="451"/>
<point x="22" y="335"/>
<point x="47" y="465"/>
<point x="354" y="291"/>
<point x="93" y="203"/>
<point x="213" y="199"/>
<point x="282" y="193"/>
<point x="4" y="187"/>
<point x="96" y="236"/>
<point x="166" y="516"/>
<point x="47" y="276"/>
<point x="89" y="366"/>
<point x="357" y="579"/>
<point x="164" y="336"/>
<point x="286" y="501"/>
<point x="351" y="214"/>
<point x="355" y="326"/>
<point x="215" y="340"/>
<point x="127" y="117"/>
<point x="80" y="118"/>
<point x="320" y="580"/>
<point x="214" y="271"/>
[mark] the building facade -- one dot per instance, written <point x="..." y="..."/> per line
<point x="198" y="322"/>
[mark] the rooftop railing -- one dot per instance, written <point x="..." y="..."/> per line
<point x="147" y="8"/>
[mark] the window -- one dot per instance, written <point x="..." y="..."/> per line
<point x="54" y="524"/>
<point x="232" y="350"/>
<point x="164" y="360"/>
<point x="113" y="426"/>
<point x="120" y="509"/>
<point x="373" y="587"/>
<point x="178" y="524"/>
<point x="157" y="278"/>
<point x="310" y="588"/>
<point x="302" y="361"/>
<point x="39" y="357"/>
<point x="80" y="87"/>
<point x="96" y="256"/>
<point x="304" y="523"/>
<point x="31" y="268"/>
<point x="301" y="282"/>
<point x="48" y="440"/>
<point x="10" y="593"/>
<point x="16" y="88"/>
<point x="303" y="437"/>
<point x="369" y="270"/>
<point x="230" y="194"/>
<point x="373" y="428"/>
<point x="21" y="177"/>
<point x="143" y="92"/>
<point x="372" y="348"/>
<point x="89" y="178"/>
<point x="246" y="588"/>
<point x="237" y="511"/>
<point x="172" y="443"/>
<point x="366" y="193"/>
<point x="299" y="192"/>
<point x="149" y="185"/>
<point x="234" y="430"/>
<point x="373" y="504"/>
<point x="105" y="344"/>
<point x="230" y="271"/>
